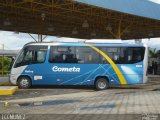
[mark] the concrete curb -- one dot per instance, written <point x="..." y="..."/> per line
<point x="8" y="90"/>
<point x="5" y="84"/>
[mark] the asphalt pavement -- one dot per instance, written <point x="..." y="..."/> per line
<point x="135" y="102"/>
<point x="4" y="80"/>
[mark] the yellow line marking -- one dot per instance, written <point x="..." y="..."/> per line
<point x="114" y="66"/>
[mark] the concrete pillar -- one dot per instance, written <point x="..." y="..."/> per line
<point x="158" y="62"/>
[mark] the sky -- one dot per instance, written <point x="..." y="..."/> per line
<point x="156" y="1"/>
<point x="12" y="40"/>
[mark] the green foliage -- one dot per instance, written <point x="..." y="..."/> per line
<point x="7" y="63"/>
<point x="153" y="53"/>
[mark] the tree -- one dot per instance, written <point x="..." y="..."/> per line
<point x="153" y="53"/>
<point x="7" y="63"/>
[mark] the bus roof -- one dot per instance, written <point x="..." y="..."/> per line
<point x="83" y="44"/>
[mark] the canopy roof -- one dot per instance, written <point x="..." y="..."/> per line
<point x="143" y="8"/>
<point x="126" y="19"/>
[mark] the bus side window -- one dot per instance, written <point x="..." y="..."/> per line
<point x="86" y="55"/>
<point x="135" y="54"/>
<point x="70" y="58"/>
<point x="28" y="56"/>
<point x="59" y="58"/>
<point x="62" y="54"/>
<point x="40" y="56"/>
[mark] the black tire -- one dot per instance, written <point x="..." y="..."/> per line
<point x="24" y="82"/>
<point x="101" y="84"/>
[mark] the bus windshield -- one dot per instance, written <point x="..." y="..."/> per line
<point x="31" y="55"/>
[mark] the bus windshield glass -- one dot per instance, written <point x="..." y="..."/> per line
<point x="31" y="55"/>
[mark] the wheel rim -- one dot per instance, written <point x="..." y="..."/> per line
<point x="102" y="84"/>
<point x="24" y="82"/>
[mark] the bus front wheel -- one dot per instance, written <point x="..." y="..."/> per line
<point x="24" y="82"/>
<point x="101" y="84"/>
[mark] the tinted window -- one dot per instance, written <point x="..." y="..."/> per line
<point x="31" y="55"/>
<point x="124" y="55"/>
<point x="87" y="55"/>
<point x="73" y="55"/>
<point x="113" y="54"/>
<point x="62" y="55"/>
<point x="120" y="55"/>
<point x="135" y="54"/>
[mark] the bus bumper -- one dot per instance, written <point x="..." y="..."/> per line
<point x="13" y="79"/>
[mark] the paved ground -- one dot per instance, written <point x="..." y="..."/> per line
<point x="4" y="80"/>
<point x="128" y="102"/>
<point x="44" y="92"/>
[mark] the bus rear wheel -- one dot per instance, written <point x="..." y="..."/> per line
<point x="101" y="84"/>
<point x="24" y="82"/>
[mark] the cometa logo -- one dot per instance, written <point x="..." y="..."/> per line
<point x="64" y="69"/>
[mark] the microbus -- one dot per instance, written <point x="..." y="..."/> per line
<point x="91" y="64"/>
